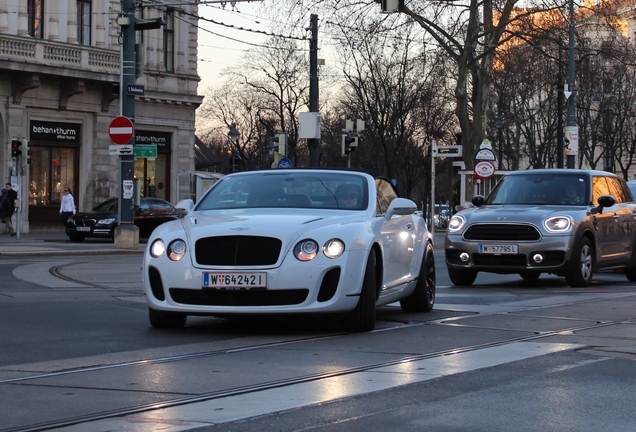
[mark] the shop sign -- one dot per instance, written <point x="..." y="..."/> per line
<point x="54" y="132"/>
<point x="163" y="140"/>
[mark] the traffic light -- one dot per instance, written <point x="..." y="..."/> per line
<point x="282" y="144"/>
<point x="235" y="160"/>
<point x="348" y="144"/>
<point x="27" y="160"/>
<point x="16" y="148"/>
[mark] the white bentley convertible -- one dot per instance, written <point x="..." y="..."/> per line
<point x="291" y="241"/>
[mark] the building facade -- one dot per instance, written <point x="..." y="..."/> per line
<point x="59" y="90"/>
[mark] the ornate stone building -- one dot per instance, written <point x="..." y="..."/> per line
<point x="59" y="90"/>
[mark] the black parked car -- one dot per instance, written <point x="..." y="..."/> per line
<point x="101" y="222"/>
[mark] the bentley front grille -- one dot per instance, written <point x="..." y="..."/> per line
<point x="237" y="251"/>
<point x="253" y="297"/>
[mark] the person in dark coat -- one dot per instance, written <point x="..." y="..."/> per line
<point x="6" y="211"/>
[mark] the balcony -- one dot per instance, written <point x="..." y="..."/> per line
<point x="59" y="59"/>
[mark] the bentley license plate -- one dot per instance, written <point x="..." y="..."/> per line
<point x="498" y="249"/>
<point x="234" y="280"/>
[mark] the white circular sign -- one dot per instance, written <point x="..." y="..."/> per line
<point x="484" y="169"/>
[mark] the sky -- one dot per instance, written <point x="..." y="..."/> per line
<point x="219" y="46"/>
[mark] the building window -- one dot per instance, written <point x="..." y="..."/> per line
<point x="168" y="41"/>
<point x="36" y="18"/>
<point x="84" y="22"/>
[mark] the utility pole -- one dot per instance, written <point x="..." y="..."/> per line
<point x="313" y="143"/>
<point x="571" y="130"/>
<point x="126" y="233"/>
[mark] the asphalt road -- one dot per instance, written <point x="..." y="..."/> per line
<point x="78" y="354"/>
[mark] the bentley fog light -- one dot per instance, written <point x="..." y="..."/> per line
<point x="176" y="250"/>
<point x="306" y="250"/>
<point x="538" y="258"/>
<point x="333" y="248"/>
<point x="464" y="256"/>
<point x="558" y="224"/>
<point x="157" y="248"/>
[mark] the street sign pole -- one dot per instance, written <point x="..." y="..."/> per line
<point x="126" y="233"/>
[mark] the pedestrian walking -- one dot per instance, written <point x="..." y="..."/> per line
<point x="13" y="195"/>
<point x="68" y="206"/>
<point x="6" y="211"/>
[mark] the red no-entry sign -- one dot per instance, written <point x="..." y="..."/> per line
<point x="121" y="130"/>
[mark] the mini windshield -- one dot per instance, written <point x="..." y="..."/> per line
<point x="547" y="189"/>
<point x="326" y="190"/>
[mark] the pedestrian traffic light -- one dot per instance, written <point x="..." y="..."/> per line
<point x="16" y="148"/>
<point x="26" y="160"/>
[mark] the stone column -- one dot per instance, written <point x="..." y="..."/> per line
<point x="100" y="28"/>
<point x="23" y="19"/>
<point x="54" y="20"/>
<point x="71" y="24"/>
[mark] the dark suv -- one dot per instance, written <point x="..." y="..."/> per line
<point x="566" y="222"/>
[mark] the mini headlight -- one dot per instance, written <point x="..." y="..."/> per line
<point x="157" y="248"/>
<point x="558" y="224"/>
<point x="106" y="221"/>
<point x="456" y="223"/>
<point x="306" y="250"/>
<point x="333" y="248"/>
<point x="176" y="250"/>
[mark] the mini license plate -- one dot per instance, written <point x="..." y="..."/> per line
<point x="234" y="280"/>
<point x="83" y="228"/>
<point x="498" y="249"/>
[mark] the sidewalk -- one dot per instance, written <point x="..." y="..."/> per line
<point x="54" y="242"/>
<point x="51" y="242"/>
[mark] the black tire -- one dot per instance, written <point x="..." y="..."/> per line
<point x="162" y="319"/>
<point x="530" y="276"/>
<point x="76" y="238"/>
<point x="583" y="265"/>
<point x="631" y="274"/>
<point x="362" y="318"/>
<point x="462" y="277"/>
<point x="423" y="297"/>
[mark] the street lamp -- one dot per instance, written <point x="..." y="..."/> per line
<point x="499" y="124"/>
<point x="233" y="134"/>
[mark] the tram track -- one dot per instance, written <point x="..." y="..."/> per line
<point x="252" y="388"/>
<point x="64" y="378"/>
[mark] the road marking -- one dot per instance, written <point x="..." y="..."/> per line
<point x="233" y="408"/>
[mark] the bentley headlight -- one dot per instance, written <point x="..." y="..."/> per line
<point x="306" y="250"/>
<point x="558" y="224"/>
<point x="176" y="250"/>
<point x="157" y="248"/>
<point x="106" y="221"/>
<point x="456" y="223"/>
<point x="333" y="248"/>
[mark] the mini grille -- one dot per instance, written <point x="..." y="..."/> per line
<point x="502" y="232"/>
<point x="500" y="260"/>
<point x="237" y="250"/>
<point x="256" y="297"/>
